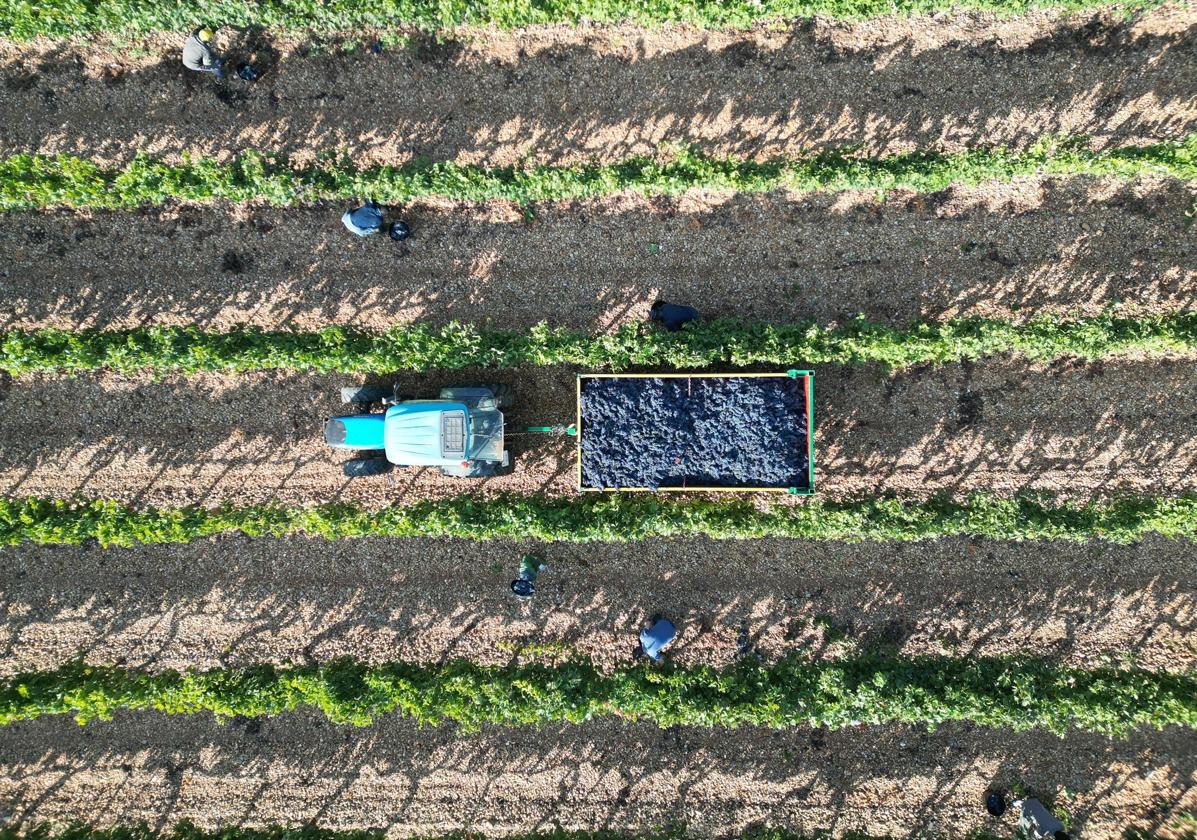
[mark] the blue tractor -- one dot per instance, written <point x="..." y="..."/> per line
<point x="460" y="432"/>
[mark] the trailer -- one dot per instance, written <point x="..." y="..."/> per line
<point x="717" y="432"/>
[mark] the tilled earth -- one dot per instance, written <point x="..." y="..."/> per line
<point x="883" y="780"/>
<point x="555" y="95"/>
<point x="1038" y="245"/>
<point x="1004" y="425"/>
<point x="235" y="602"/>
<point x="1063" y="246"/>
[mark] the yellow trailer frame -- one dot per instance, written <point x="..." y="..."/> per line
<point x="809" y="375"/>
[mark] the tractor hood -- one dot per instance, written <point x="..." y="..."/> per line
<point x="427" y="434"/>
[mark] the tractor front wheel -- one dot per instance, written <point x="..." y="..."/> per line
<point x="360" y="467"/>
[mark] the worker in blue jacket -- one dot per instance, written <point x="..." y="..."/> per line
<point x="654" y="638"/>
<point x="367" y="220"/>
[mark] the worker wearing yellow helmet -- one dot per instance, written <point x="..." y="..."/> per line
<point x="198" y="56"/>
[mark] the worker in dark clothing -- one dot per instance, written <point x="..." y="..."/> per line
<point x="654" y="638"/>
<point x="198" y="56"/>
<point x="1037" y="823"/>
<point x="672" y="315"/>
<point x="524" y="586"/>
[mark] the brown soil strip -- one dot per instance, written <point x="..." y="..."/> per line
<point x="1064" y="246"/>
<point x="295" y="769"/>
<point x="1003" y="426"/>
<point x="556" y="95"/>
<point x="237" y="602"/>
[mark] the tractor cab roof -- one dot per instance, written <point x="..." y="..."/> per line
<point x="427" y="433"/>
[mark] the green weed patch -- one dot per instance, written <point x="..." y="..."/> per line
<point x="730" y="343"/>
<point x="609" y="518"/>
<point x="37" y="181"/>
<point x="871" y="688"/>
<point x="24" y="19"/>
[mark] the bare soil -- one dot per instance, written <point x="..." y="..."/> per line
<point x="1039" y="245"/>
<point x="236" y="602"/>
<point x="1062" y="246"/>
<point x="1082" y="430"/>
<point x="882" y="780"/>
<point x="509" y="98"/>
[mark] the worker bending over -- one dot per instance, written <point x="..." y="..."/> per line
<point x="368" y="219"/>
<point x="654" y="638"/>
<point x="198" y="56"/>
<point x="1037" y="823"/>
<point x="524" y="586"/>
<point x="672" y="316"/>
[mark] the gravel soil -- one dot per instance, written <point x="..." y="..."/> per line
<point x="497" y="98"/>
<point x="884" y="780"/>
<point x="1062" y="246"/>
<point x="1006" y="425"/>
<point x="234" y="602"/>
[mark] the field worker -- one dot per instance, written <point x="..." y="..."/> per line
<point x="1038" y="823"/>
<point x="198" y="56"/>
<point x="654" y="638"/>
<point x="672" y="315"/>
<point x="524" y="586"/>
<point x="365" y="220"/>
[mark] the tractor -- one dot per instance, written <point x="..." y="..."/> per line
<point x="460" y="432"/>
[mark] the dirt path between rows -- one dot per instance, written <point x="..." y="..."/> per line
<point x="1002" y="426"/>
<point x="1064" y="246"/>
<point x="882" y="780"/>
<point x="236" y="602"/>
<point x="558" y="95"/>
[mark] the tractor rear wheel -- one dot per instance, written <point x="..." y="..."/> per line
<point x="361" y="394"/>
<point x="361" y="467"/>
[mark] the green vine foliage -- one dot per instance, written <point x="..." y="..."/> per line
<point x="722" y="342"/>
<point x="609" y="518"/>
<point x="38" y="181"/>
<point x="869" y="688"/>
<point x="24" y="19"/>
